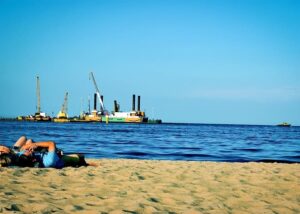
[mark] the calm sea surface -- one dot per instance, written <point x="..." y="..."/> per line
<point x="198" y="142"/>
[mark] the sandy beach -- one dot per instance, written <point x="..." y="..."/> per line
<point x="142" y="186"/>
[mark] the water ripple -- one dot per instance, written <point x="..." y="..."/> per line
<point x="200" y="142"/>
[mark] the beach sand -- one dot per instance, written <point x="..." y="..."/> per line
<point x="144" y="186"/>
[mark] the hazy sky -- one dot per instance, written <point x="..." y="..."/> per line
<point x="199" y="61"/>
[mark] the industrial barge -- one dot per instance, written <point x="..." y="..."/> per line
<point x="103" y="115"/>
<point x="116" y="116"/>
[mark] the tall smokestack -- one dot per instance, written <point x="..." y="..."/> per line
<point x="116" y="106"/>
<point x="95" y="101"/>
<point x="101" y="97"/>
<point x="139" y="103"/>
<point x="133" y="102"/>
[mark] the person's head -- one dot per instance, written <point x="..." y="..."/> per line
<point x="4" y="150"/>
<point x="10" y="158"/>
<point x="6" y="156"/>
<point x="6" y="159"/>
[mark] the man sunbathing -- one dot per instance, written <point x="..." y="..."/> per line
<point x="38" y="154"/>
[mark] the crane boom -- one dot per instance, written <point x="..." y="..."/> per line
<point x="97" y="91"/>
<point x="64" y="107"/>
<point x="38" y="107"/>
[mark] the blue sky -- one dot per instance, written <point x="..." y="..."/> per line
<point x="191" y="61"/>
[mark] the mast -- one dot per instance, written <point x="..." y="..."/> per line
<point x="89" y="105"/>
<point x="38" y="107"/>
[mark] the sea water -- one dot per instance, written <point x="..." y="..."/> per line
<point x="191" y="142"/>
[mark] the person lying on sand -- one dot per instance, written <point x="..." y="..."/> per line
<point x="27" y="153"/>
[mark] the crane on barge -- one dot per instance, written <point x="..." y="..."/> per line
<point x="102" y="109"/>
<point x="62" y="115"/>
<point x="39" y="116"/>
<point x="94" y="115"/>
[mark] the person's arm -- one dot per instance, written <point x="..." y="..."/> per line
<point x="49" y="145"/>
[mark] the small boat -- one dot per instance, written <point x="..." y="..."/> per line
<point x="284" y="124"/>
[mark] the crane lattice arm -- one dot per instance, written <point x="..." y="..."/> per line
<point x="97" y="91"/>
<point x="38" y="107"/>
<point x="64" y="107"/>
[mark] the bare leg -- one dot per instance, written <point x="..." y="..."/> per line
<point x="75" y="160"/>
<point x="29" y="141"/>
<point x="21" y="142"/>
<point x="71" y="160"/>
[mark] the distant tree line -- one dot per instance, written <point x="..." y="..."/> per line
<point x="8" y="118"/>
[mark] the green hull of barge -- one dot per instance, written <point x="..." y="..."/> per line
<point x="113" y="120"/>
